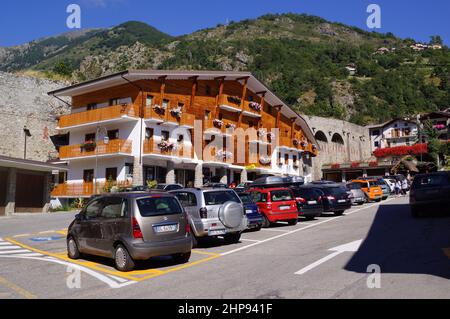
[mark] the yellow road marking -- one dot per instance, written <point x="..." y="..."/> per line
<point x="148" y="274"/>
<point x="62" y="232"/>
<point x="19" y="290"/>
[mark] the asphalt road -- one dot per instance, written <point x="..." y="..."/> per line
<point x="330" y="257"/>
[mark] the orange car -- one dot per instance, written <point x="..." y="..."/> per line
<point x="371" y="188"/>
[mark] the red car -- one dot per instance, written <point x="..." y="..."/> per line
<point x="276" y="204"/>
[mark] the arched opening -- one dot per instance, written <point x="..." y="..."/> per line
<point x="320" y="136"/>
<point x="337" y="139"/>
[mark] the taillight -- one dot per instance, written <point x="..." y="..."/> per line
<point x="137" y="233"/>
<point x="301" y="200"/>
<point x="203" y="212"/>
<point x="319" y="199"/>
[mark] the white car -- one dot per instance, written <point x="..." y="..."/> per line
<point x="391" y="183"/>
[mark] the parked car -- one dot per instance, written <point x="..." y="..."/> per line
<point x="371" y="188"/>
<point x="385" y="188"/>
<point x="215" y="185"/>
<point x="358" y="197"/>
<point x="255" y="219"/>
<point x="169" y="187"/>
<point x="391" y="183"/>
<point x="309" y="202"/>
<point x="214" y="212"/>
<point x="430" y="192"/>
<point x="129" y="227"/>
<point x="335" y="198"/>
<point x="276" y="204"/>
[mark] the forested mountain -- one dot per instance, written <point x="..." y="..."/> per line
<point x="318" y="67"/>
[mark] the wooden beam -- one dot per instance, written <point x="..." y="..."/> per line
<point x="193" y="90"/>
<point x="244" y="95"/>
<point x="219" y="95"/>
<point x="162" y="93"/>
<point x="278" y="119"/>
<point x="293" y="119"/>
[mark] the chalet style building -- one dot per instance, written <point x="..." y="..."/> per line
<point x="186" y="127"/>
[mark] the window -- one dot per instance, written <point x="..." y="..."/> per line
<point x="111" y="173"/>
<point x="88" y="175"/>
<point x="113" y="135"/>
<point x="187" y="199"/>
<point x="377" y="144"/>
<point x="165" y="104"/>
<point x="286" y="158"/>
<point x="280" y="196"/>
<point x="129" y="169"/>
<point x="207" y="115"/>
<point x="149" y="100"/>
<point x="220" y="197"/>
<point x="92" y="106"/>
<point x="208" y="90"/>
<point x="149" y="132"/>
<point x="93" y="209"/>
<point x="115" y="101"/>
<point x="375" y="133"/>
<point x="149" y="207"/>
<point x="246" y="198"/>
<point x="165" y="135"/>
<point x="259" y="197"/>
<point x="89" y="137"/>
<point x="114" y="207"/>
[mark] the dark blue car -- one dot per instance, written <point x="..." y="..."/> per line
<point x="255" y="219"/>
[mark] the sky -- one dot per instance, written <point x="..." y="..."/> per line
<point x="24" y="20"/>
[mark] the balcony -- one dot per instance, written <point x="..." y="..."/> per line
<point x="114" y="147"/>
<point x="252" y="109"/>
<point x="230" y="103"/>
<point x="217" y="127"/>
<point x="155" y="114"/>
<point x="106" y="114"/>
<point x="85" y="190"/>
<point x="172" y="150"/>
<point x="185" y="120"/>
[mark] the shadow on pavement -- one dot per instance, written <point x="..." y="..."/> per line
<point x="399" y="243"/>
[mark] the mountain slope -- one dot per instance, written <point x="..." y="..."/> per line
<point x="304" y="59"/>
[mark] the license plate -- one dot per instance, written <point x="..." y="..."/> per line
<point x="285" y="207"/>
<point x="341" y="201"/>
<point x="216" y="232"/>
<point x="312" y="202"/>
<point x="249" y="211"/>
<point x="166" y="228"/>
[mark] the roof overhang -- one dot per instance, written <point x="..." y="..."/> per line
<point x="28" y="165"/>
<point x="121" y="78"/>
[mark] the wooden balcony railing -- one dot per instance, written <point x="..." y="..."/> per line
<point x="233" y="101"/>
<point x="286" y="141"/>
<point x="209" y="126"/>
<point x="86" y="189"/>
<point x="113" y="147"/>
<point x="185" y="119"/>
<point x="248" y="108"/>
<point x="178" y="150"/>
<point x="98" y="115"/>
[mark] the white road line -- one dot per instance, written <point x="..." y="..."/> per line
<point x="121" y="280"/>
<point x="47" y="232"/>
<point x="317" y="263"/>
<point x="10" y="247"/>
<point x="10" y="252"/>
<point x="303" y="228"/>
<point x="22" y="235"/>
<point x="5" y="244"/>
<point x="28" y="255"/>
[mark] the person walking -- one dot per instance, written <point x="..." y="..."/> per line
<point x="398" y="187"/>
<point x="404" y="186"/>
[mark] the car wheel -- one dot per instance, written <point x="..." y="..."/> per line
<point x="122" y="259"/>
<point x="232" y="238"/>
<point x="182" y="258"/>
<point x="195" y="241"/>
<point x="72" y="249"/>
<point x="293" y="222"/>
<point x="257" y="228"/>
<point x="266" y="222"/>
<point x="339" y="213"/>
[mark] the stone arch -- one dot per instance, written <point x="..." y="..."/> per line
<point x="337" y="138"/>
<point x="321" y="137"/>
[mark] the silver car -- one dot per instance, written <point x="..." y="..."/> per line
<point x="214" y="212"/>
<point x="357" y="196"/>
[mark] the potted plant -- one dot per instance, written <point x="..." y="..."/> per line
<point x="235" y="99"/>
<point x="159" y="109"/>
<point x="255" y="106"/>
<point x="218" y="123"/>
<point x="231" y="126"/>
<point x="224" y="155"/>
<point x="296" y="142"/>
<point x="166" y="146"/>
<point x="89" y="145"/>
<point x="265" y="160"/>
<point x="176" y="112"/>
<point x="262" y="132"/>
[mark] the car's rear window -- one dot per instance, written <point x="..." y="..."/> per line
<point x="354" y="186"/>
<point x="220" y="197"/>
<point x="280" y="195"/>
<point x="430" y="181"/>
<point x="333" y="190"/>
<point x="304" y="192"/>
<point x="157" y="206"/>
<point x="373" y="183"/>
<point x="246" y="198"/>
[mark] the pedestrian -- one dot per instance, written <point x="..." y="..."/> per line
<point x="405" y="186"/>
<point x="398" y="187"/>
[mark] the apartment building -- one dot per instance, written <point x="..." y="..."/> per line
<point x="186" y="127"/>
<point x="396" y="132"/>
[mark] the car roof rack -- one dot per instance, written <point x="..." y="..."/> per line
<point x="278" y="181"/>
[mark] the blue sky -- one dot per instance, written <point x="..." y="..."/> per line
<point x="25" y="20"/>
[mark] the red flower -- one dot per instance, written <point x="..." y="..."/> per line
<point x="335" y="166"/>
<point x="401" y="150"/>
<point x="354" y="165"/>
<point x="373" y="164"/>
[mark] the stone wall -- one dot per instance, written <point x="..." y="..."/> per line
<point x="24" y="102"/>
<point x="339" y="142"/>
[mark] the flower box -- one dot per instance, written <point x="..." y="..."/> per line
<point x="176" y="112"/>
<point x="255" y="106"/>
<point x="262" y="132"/>
<point x="296" y="142"/>
<point x="159" y="109"/>
<point x="335" y="166"/>
<point x="224" y="155"/>
<point x="166" y="146"/>
<point x="355" y="165"/>
<point x="265" y="160"/>
<point x="373" y="164"/>
<point x="231" y="126"/>
<point x="218" y="123"/>
<point x="89" y="145"/>
<point x="401" y="150"/>
<point x="234" y="100"/>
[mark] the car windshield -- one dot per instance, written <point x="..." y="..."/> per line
<point x="430" y="181"/>
<point x="220" y="197"/>
<point x="280" y="195"/>
<point x="354" y="186"/>
<point x="157" y="206"/>
<point x="246" y="198"/>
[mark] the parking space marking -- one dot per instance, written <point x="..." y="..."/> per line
<point x="275" y="230"/>
<point x="23" y="292"/>
<point x="302" y="228"/>
<point x="251" y="240"/>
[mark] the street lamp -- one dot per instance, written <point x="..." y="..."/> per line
<point x="27" y="134"/>
<point x="105" y="142"/>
